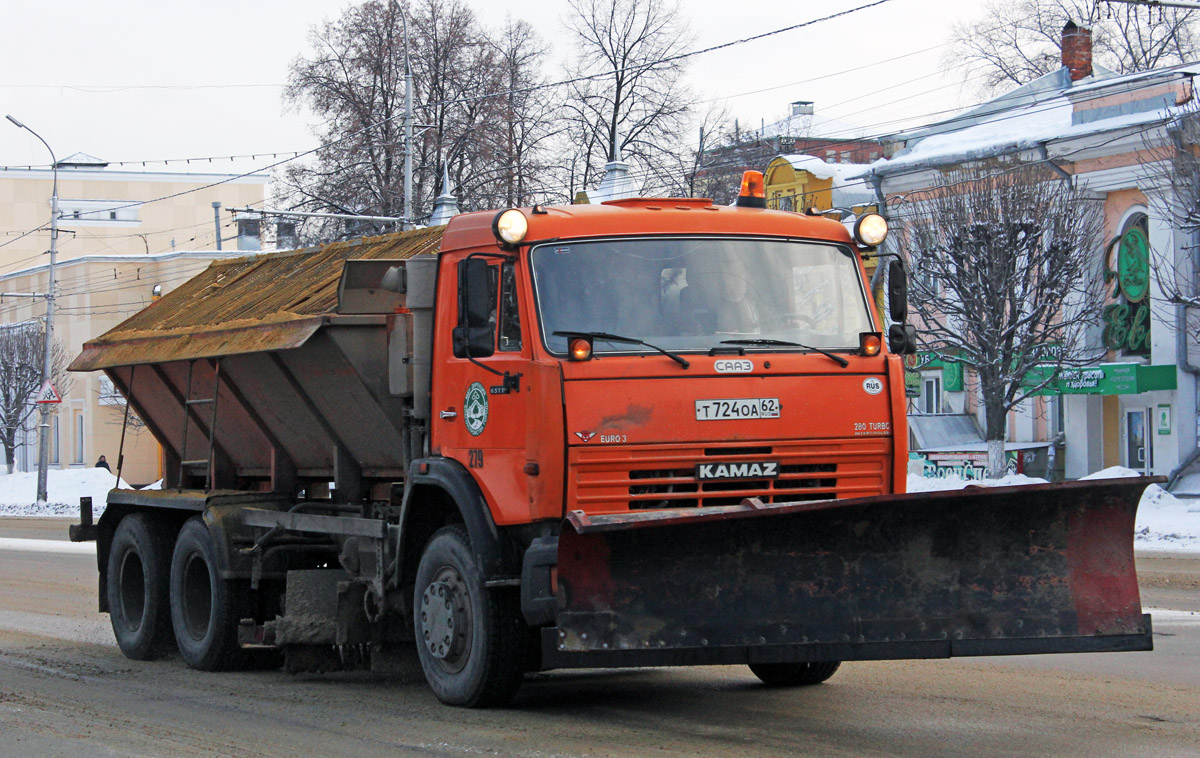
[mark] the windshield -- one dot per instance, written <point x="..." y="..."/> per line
<point x="691" y="294"/>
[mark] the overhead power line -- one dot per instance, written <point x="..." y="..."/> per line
<point x="1159" y="3"/>
<point x="512" y="91"/>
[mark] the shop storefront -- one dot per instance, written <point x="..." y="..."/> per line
<point x="1117" y="414"/>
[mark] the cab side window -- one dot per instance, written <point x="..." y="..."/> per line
<point x="510" y="316"/>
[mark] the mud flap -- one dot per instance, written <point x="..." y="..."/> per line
<point x="980" y="571"/>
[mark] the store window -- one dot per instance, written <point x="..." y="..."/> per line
<point x="1056" y="415"/>
<point x="931" y="392"/>
<point x="78" y="446"/>
<point x="55" y="459"/>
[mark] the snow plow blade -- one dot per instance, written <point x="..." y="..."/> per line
<point x="982" y="571"/>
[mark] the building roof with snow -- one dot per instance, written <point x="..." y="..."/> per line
<point x="851" y="186"/>
<point x="82" y="160"/>
<point x="1051" y="109"/>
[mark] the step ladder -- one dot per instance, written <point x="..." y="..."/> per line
<point x="188" y="402"/>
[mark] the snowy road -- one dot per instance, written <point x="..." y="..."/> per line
<point x="66" y="690"/>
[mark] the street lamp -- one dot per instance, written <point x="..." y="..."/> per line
<point x="44" y="436"/>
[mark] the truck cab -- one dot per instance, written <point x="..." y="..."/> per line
<point x="653" y="354"/>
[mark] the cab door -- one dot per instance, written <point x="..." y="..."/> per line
<point x="480" y="386"/>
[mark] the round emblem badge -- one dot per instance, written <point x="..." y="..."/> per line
<point x="475" y="409"/>
<point x="872" y="386"/>
<point x="1133" y="265"/>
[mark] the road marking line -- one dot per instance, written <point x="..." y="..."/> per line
<point x="47" y="546"/>
<point x="1167" y="617"/>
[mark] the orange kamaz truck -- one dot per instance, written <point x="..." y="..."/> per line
<point x="650" y="432"/>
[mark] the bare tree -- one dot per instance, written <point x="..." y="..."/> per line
<point x="1016" y="41"/>
<point x="525" y="120"/>
<point x="637" y="105"/>
<point x="353" y="80"/>
<point x="1172" y="177"/>
<point x="1006" y="282"/>
<point x="1171" y="174"/>
<point x="713" y="166"/>
<point x="21" y="355"/>
<point x="120" y="412"/>
<point x="453" y="64"/>
<point x="478" y="112"/>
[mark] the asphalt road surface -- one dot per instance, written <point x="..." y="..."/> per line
<point x="65" y="689"/>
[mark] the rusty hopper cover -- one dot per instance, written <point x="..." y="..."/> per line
<point x="264" y="302"/>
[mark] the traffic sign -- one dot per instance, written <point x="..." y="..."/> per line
<point x="47" y="394"/>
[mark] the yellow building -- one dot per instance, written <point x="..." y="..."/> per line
<point x="121" y="234"/>
<point x="799" y="182"/>
<point x="107" y="212"/>
<point x="96" y="292"/>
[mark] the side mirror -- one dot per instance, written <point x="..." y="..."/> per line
<point x="902" y="339"/>
<point x="475" y="335"/>
<point x="473" y="341"/>
<point x="474" y="293"/>
<point x="897" y="292"/>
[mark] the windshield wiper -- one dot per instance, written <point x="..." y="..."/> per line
<point x="782" y="343"/>
<point x="628" y="340"/>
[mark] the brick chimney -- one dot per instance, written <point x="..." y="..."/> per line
<point x="1077" y="50"/>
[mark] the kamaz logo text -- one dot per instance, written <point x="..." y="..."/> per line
<point x="756" y="470"/>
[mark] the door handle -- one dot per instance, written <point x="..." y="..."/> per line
<point x="448" y="414"/>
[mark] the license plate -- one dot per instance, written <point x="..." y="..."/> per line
<point x="737" y="408"/>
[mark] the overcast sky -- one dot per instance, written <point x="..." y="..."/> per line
<point x="148" y="81"/>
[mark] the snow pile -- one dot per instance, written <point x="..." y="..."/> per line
<point x="955" y="482"/>
<point x="64" y="487"/>
<point x="1164" y="522"/>
<point x="1112" y="472"/>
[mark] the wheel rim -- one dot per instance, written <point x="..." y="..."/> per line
<point x="196" y="596"/>
<point x="446" y="619"/>
<point x="132" y="582"/>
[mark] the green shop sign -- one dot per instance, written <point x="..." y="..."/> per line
<point x="1105" y="379"/>
<point x="953" y="378"/>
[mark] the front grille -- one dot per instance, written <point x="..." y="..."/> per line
<point x="610" y="479"/>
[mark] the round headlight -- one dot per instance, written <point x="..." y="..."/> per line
<point x="870" y="230"/>
<point x="510" y="226"/>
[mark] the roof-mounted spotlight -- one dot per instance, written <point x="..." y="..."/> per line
<point x="510" y="227"/>
<point x="870" y="230"/>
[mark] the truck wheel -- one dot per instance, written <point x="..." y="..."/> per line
<point x="469" y="639"/>
<point x="139" y="566"/>
<point x="202" y="604"/>
<point x="794" y="674"/>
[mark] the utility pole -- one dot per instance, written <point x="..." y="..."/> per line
<point x="408" y="129"/>
<point x="47" y="357"/>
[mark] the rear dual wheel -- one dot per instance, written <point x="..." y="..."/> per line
<point x="136" y="584"/>
<point x="203" y="605"/>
